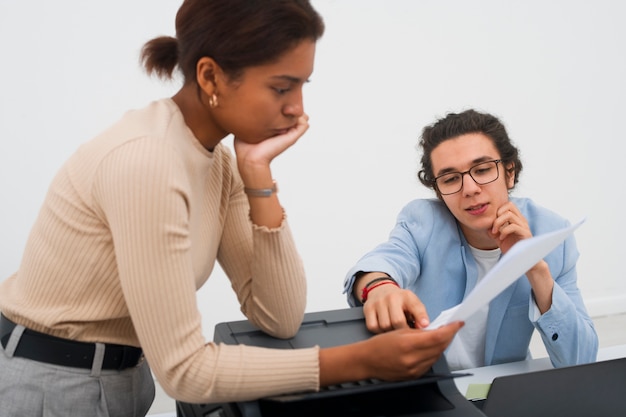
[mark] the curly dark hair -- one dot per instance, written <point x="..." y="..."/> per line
<point x="457" y="124"/>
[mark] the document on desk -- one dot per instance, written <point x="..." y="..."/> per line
<point x="513" y="264"/>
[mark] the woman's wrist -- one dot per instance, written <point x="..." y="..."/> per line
<point x="345" y="363"/>
<point x="261" y="192"/>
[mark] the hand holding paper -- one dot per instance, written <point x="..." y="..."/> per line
<point x="519" y="259"/>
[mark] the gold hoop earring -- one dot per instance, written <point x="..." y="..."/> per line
<point x="213" y="102"/>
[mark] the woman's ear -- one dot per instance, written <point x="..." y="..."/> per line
<point x="207" y="72"/>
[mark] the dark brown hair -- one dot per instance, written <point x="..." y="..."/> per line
<point x="456" y="124"/>
<point x="237" y="34"/>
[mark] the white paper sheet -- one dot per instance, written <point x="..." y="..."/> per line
<point x="513" y="264"/>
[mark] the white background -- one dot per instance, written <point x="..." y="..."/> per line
<point x="553" y="71"/>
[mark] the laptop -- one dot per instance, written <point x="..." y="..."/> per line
<point x="591" y="390"/>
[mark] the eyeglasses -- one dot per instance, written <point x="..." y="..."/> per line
<point x="483" y="173"/>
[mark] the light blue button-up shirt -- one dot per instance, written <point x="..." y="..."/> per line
<point x="427" y="253"/>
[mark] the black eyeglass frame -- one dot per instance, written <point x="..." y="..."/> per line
<point x="497" y="161"/>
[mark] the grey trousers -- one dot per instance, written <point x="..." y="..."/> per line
<point x="34" y="389"/>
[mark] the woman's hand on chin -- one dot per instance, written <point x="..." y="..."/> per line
<point x="264" y="151"/>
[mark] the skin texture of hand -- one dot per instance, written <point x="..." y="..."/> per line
<point x="252" y="157"/>
<point x="392" y="356"/>
<point x="389" y="307"/>
<point x="509" y="227"/>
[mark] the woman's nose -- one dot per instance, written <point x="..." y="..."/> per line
<point x="295" y="106"/>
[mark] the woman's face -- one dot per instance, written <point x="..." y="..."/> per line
<point x="267" y="100"/>
<point x="475" y="206"/>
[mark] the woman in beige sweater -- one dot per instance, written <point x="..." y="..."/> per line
<point x="134" y="221"/>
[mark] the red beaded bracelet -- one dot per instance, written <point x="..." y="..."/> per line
<point x="366" y="289"/>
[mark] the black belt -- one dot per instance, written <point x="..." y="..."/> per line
<point x="49" y="349"/>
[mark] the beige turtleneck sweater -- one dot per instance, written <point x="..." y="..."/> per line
<point x="130" y="228"/>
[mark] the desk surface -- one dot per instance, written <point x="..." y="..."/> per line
<point x="486" y="374"/>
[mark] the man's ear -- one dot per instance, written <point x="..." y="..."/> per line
<point x="207" y="74"/>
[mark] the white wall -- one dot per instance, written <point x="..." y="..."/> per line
<point x="555" y="72"/>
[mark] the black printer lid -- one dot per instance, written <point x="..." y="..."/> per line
<point x="433" y="394"/>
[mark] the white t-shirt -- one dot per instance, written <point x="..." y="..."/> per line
<point x="467" y="349"/>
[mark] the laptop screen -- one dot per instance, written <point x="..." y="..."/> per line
<point x="590" y="390"/>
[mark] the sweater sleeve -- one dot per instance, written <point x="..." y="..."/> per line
<point x="152" y="248"/>
<point x="264" y="267"/>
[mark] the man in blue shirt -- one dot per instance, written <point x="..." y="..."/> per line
<point x="440" y="248"/>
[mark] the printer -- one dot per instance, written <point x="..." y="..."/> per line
<point x="432" y="395"/>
